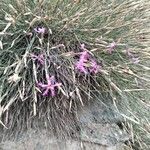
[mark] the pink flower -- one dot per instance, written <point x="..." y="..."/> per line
<point x="111" y="47"/>
<point x="84" y="56"/>
<point x="50" y="86"/>
<point x="82" y="60"/>
<point x="94" y="68"/>
<point x="40" y="30"/>
<point x="39" y="58"/>
<point x="80" y="67"/>
<point x="86" y="64"/>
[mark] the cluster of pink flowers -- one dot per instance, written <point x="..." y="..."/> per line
<point x="111" y="47"/>
<point x="52" y="85"/>
<point x="86" y="64"/>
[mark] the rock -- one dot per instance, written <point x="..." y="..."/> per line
<point x="103" y="134"/>
<point x="97" y="130"/>
<point x="99" y="113"/>
<point x="33" y="140"/>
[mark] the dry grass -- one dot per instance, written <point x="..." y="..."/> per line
<point x="94" y="23"/>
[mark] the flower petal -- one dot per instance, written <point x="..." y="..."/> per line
<point x="46" y="92"/>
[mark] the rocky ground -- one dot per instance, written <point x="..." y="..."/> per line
<point x="39" y="140"/>
<point x="99" y="130"/>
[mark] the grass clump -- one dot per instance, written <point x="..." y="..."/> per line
<point x="43" y="41"/>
